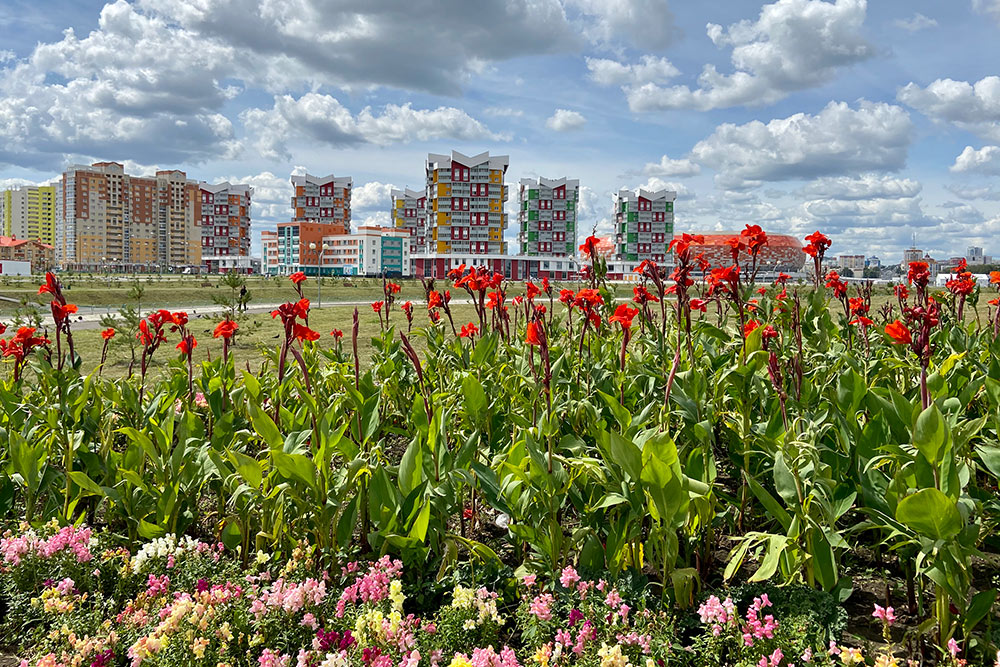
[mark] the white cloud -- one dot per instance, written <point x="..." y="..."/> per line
<point x="864" y="186"/>
<point x="962" y="191"/>
<point x="503" y="112"/>
<point x="915" y="23"/>
<point x="985" y="160"/>
<point x="564" y="120"/>
<point x="668" y="167"/>
<point x="649" y="69"/>
<point x="990" y="8"/>
<point x="372" y="195"/>
<point x="793" y="45"/>
<point x="972" y="107"/>
<point x="285" y="43"/>
<point x="374" y="219"/>
<point x="646" y="24"/>
<point x="322" y="118"/>
<point x="837" y="140"/>
<point x="132" y="87"/>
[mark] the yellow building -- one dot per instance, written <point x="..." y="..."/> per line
<point x="29" y="212"/>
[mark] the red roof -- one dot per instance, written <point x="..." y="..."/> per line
<point x="11" y="242"/>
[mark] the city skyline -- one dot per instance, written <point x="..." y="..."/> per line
<point x="796" y="115"/>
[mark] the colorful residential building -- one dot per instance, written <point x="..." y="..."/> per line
<point x="644" y="227"/>
<point x="323" y="199"/>
<point x="409" y="213"/>
<point x="110" y="220"/>
<point x="465" y="198"/>
<point x="546" y="213"/>
<point x="29" y="212"/>
<point x="225" y="226"/>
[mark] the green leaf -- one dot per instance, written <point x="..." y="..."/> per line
<point x="784" y="481"/>
<point x="150" y="531"/>
<point x="475" y="398"/>
<point x="81" y="479"/>
<point x="266" y="428"/>
<point x="991" y="459"/>
<point x="824" y="560"/>
<point x="930" y="434"/>
<point x="411" y="466"/>
<point x="345" y="526"/>
<point x="773" y="507"/>
<point x="769" y="565"/>
<point x="418" y="530"/>
<point x="980" y="605"/>
<point x="295" y="466"/>
<point x="930" y="513"/>
<point x="625" y="455"/>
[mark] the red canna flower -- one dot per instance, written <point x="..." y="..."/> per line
<point x="919" y="273"/>
<point x="762" y="291"/>
<point x="589" y="247"/>
<point x="901" y="292"/>
<point x="532" y="290"/>
<point x="858" y="305"/>
<point x="566" y="296"/>
<point x="337" y="334"/>
<point x="643" y="295"/>
<point x="297" y="278"/>
<point x="749" y="327"/>
<point x="434" y="300"/>
<point x="187" y="345"/>
<point x="839" y="286"/>
<point x="408" y="309"/>
<point x="546" y="287"/>
<point x="534" y="334"/>
<point x="768" y="332"/>
<point x="995" y="277"/>
<point x="899" y="333"/>
<point x="51" y="284"/>
<point x="180" y="318"/>
<point x="107" y="334"/>
<point x="468" y="330"/>
<point x="862" y="321"/>
<point x="782" y="279"/>
<point x="623" y="315"/>
<point x="60" y="311"/>
<point x="377" y="306"/>
<point x="494" y="301"/>
<point x="225" y="329"/>
<point x="683" y="242"/>
<point x="756" y="238"/>
<point x="699" y="304"/>
<point x="735" y="246"/>
<point x="303" y="333"/>
<point x="818" y="244"/>
<point x="457" y="272"/>
<point x="393" y="288"/>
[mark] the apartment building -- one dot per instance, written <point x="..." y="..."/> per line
<point x="110" y="220"/>
<point x="269" y="252"/>
<point x="368" y="251"/>
<point x="644" y="227"/>
<point x="852" y="262"/>
<point x="225" y="225"/>
<point x="546" y="211"/>
<point x="29" y="212"/>
<point x="465" y="198"/>
<point x="409" y="212"/>
<point x="325" y="200"/>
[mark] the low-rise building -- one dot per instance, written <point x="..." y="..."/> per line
<point x="39" y="256"/>
<point x="852" y="262"/>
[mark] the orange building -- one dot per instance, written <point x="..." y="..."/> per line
<point x="325" y="199"/>
<point x="109" y="220"/>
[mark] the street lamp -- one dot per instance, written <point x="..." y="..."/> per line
<point x="319" y="273"/>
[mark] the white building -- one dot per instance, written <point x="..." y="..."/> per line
<point x="369" y="251"/>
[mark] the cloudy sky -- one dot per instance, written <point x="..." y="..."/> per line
<point x="870" y="122"/>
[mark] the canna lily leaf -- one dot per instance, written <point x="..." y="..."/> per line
<point x="930" y="513"/>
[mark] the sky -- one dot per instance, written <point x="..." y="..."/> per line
<point x="874" y="123"/>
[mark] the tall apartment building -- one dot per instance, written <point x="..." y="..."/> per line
<point x="111" y="220"/>
<point x="325" y="200"/>
<point x="546" y="212"/>
<point x="975" y="255"/>
<point x="465" y="203"/>
<point x="409" y="213"/>
<point x="644" y="225"/>
<point x="29" y="212"/>
<point x="225" y="223"/>
<point x="911" y="255"/>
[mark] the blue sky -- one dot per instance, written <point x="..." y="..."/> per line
<point x="871" y="122"/>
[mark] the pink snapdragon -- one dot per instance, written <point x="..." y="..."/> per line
<point x="541" y="607"/>
<point x="373" y="586"/>
<point x="717" y="613"/>
<point x="885" y="614"/>
<point x="774" y="660"/>
<point x="66" y="539"/>
<point x="953" y="648"/>
<point x="271" y="658"/>
<point x="529" y="580"/>
<point x="487" y="657"/>
<point x="289" y="597"/>
<point x="755" y="628"/>
<point x="569" y="577"/>
<point x="157" y="585"/>
<point x="613" y="599"/>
